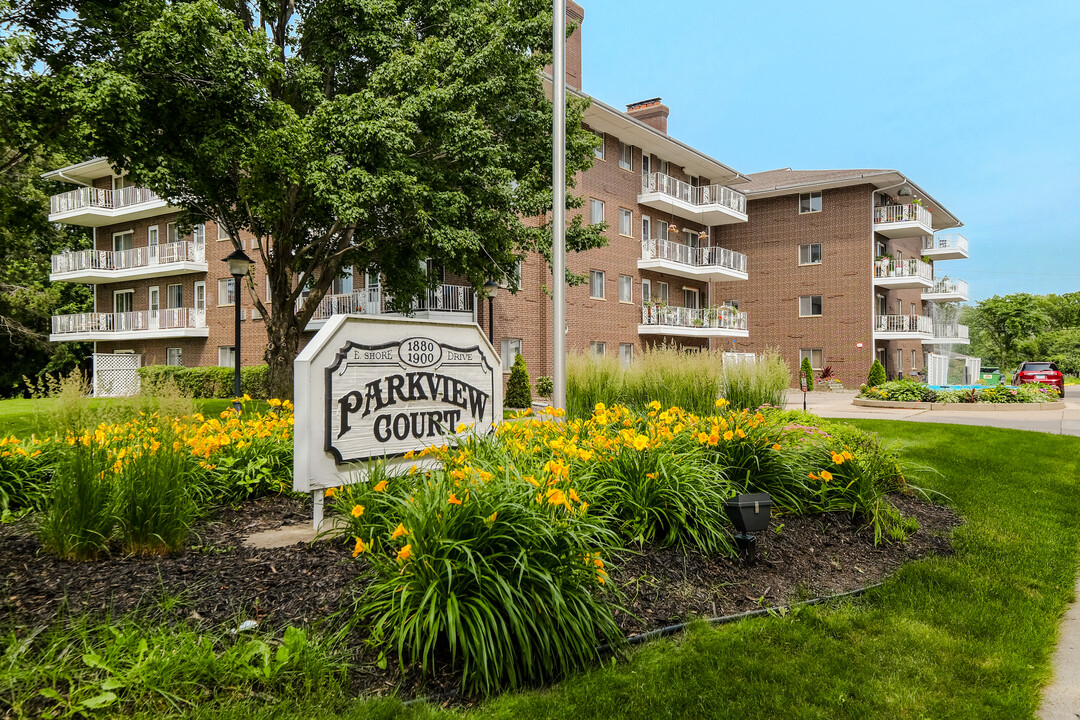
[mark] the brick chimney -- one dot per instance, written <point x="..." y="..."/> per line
<point x="651" y="112"/>
<point x="575" y="16"/>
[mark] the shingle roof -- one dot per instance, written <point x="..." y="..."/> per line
<point x="786" y="177"/>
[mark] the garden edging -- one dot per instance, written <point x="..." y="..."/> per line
<point x="865" y="402"/>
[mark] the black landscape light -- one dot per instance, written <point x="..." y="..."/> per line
<point x="749" y="513"/>
<point x="239" y="266"/>
<point x="491" y="289"/>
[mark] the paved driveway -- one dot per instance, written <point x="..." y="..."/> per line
<point x="1056" y="422"/>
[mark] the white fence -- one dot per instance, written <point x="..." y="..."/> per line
<point x="76" y="260"/>
<point x="950" y="331"/>
<point x="903" y="213"/>
<point x="948" y="241"/>
<point x="889" y="268"/>
<point x="724" y="317"/>
<point x="139" y="320"/>
<point x="948" y="286"/>
<point x="694" y="194"/>
<point x="663" y="249"/>
<point x="86" y="197"/>
<point x="904" y="324"/>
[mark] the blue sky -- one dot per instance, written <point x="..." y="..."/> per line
<point x="977" y="102"/>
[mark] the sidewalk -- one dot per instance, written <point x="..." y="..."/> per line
<point x="838" y="405"/>
<point x="1061" y="698"/>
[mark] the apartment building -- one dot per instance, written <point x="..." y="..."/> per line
<point x="846" y="268"/>
<point x="164" y="298"/>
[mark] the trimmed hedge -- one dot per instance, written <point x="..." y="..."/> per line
<point x="206" y="382"/>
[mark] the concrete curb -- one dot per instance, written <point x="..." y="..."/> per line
<point x="959" y="407"/>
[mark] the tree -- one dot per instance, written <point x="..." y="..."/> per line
<point x="341" y="133"/>
<point x="877" y="374"/>
<point x="1002" y="323"/>
<point x="808" y="373"/>
<point x="518" y="391"/>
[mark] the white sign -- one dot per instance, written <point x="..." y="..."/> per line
<point x="377" y="387"/>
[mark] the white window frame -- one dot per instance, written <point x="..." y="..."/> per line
<point x="176" y="352"/>
<point x="899" y="360"/>
<point x="117" y="293"/>
<point x="809" y="352"/>
<point x="626" y="288"/>
<point x="626" y="156"/>
<point x="223" y="292"/>
<point x="594" y="276"/>
<point x="914" y="367"/>
<point x="646" y="163"/>
<point x="626" y="216"/>
<point x="691" y="292"/>
<point x="153" y="300"/>
<point x="511" y="348"/>
<point x="626" y="354"/>
<point x="662" y="227"/>
<point x="914" y="312"/>
<point x="200" y="296"/>
<point x="168" y="296"/>
<point x="646" y="227"/>
<point x="663" y="291"/>
<point x="809" y="259"/>
<point x="595" y="205"/>
<point x="810" y="299"/>
<point x="123" y="233"/>
<point x="226" y="355"/>
<point x="665" y="167"/>
<point x="810" y="198"/>
<point x="172" y="233"/>
<point x="646" y="290"/>
<point x="691" y="238"/>
<point x="152" y="241"/>
<point x="598" y="348"/>
<point x="600" y="153"/>
<point x="221" y="229"/>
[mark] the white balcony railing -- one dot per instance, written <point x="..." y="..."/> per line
<point x="694" y="194"/>
<point x="916" y="324"/>
<point x="447" y="298"/>
<point x="948" y="241"/>
<point x="889" y="268"/>
<point x="78" y="260"/>
<point x="947" y="286"/>
<point x="903" y="213"/>
<point x="663" y="249"/>
<point x="950" y="331"/>
<point x="724" y="317"/>
<point x="139" y="320"/>
<point x="87" y="197"/>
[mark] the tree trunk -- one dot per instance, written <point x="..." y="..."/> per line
<point x="282" y="347"/>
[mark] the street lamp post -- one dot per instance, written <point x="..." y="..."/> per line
<point x="491" y="288"/>
<point x="558" y="210"/>
<point x="239" y="266"/>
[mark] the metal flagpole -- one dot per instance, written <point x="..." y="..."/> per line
<point x="558" y="177"/>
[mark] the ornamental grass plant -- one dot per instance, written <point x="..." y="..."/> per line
<point x="78" y="519"/>
<point x="750" y="384"/>
<point x="497" y="576"/>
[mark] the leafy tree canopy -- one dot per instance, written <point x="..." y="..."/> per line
<point x="378" y="134"/>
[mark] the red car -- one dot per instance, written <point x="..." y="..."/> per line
<point x="1040" y="372"/>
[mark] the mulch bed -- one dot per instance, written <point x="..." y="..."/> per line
<point x="218" y="580"/>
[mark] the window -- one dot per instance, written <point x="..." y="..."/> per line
<point x="343" y="283"/>
<point x="597" y="348"/>
<point x="816" y="355"/>
<point x="174" y="296"/>
<point x="626" y="354"/>
<point x="626" y="156"/>
<point x="198" y="235"/>
<point x="626" y="222"/>
<point x="690" y="298"/>
<point x="226" y="291"/>
<point x="174" y="357"/>
<point x="123" y="241"/>
<point x="599" y="152"/>
<point x="661" y="291"/>
<point x="665" y="167"/>
<point x="172" y="233"/>
<point x="810" y="306"/>
<point x="913" y="365"/>
<point x="809" y="203"/>
<point x="596" y="211"/>
<point x="226" y="356"/>
<point x="646" y="163"/>
<point x="661" y="230"/>
<point x="691" y="238"/>
<point x="913" y="311"/>
<point x="155" y="301"/>
<point x="881" y="249"/>
<point x="646" y="227"/>
<point x="200" y="297"/>
<point x="121" y="182"/>
<point x="646" y="291"/>
<point x="596" y="284"/>
<point x="626" y="288"/>
<point x="810" y="254"/>
<point x="511" y="348"/>
<point x="899" y="362"/>
<point x="266" y="280"/>
<point x="152" y="240"/>
<point x="732" y="303"/>
<point x="124" y="301"/>
<point x="222" y="233"/>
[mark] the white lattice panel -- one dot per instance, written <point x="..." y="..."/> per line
<point x="116" y="375"/>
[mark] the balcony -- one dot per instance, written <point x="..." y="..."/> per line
<point x="950" y="246"/>
<point x="947" y="290"/>
<point x="949" y="334"/>
<point x="901" y="221"/>
<point x="101" y="266"/>
<point x="138" y="325"/>
<point x="372" y="301"/>
<point x="705" y="204"/>
<point x="93" y="207"/>
<point x="724" y="321"/>
<point x="904" y="327"/>
<point x="893" y="275"/>
<point x="696" y="263"/>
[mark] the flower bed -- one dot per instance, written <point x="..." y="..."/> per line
<point x="912" y="391"/>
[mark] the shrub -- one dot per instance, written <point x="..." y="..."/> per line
<point x="206" y="382"/>
<point x="750" y="384"/>
<point x="913" y="391"/>
<point x="807" y="372"/>
<point x="545" y="387"/>
<point x="25" y="468"/>
<point x="482" y="570"/>
<point x="877" y="374"/>
<point x="78" y="519"/>
<point x="518" y="390"/>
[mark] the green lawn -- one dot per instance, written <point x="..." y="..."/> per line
<point x="964" y="637"/>
<point x="968" y="636"/>
<point x="24" y="417"/>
